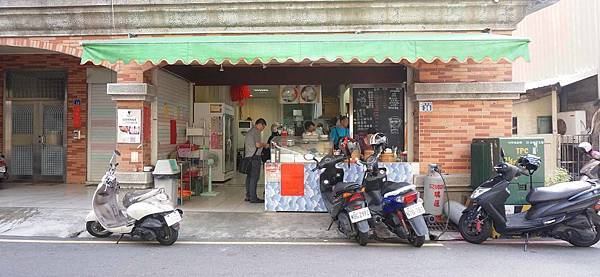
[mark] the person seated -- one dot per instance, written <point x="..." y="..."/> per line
<point x="309" y="128"/>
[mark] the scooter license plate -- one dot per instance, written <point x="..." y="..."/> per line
<point x="172" y="218"/>
<point x="2" y="169"/>
<point x="414" y="210"/>
<point x="359" y="215"/>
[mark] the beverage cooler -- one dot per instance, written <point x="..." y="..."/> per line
<point x="218" y="119"/>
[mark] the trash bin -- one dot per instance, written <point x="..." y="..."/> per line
<point x="166" y="174"/>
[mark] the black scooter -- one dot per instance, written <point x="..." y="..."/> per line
<point x="565" y="211"/>
<point x="344" y="201"/>
<point x="397" y="205"/>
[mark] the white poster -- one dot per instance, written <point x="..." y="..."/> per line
<point x="129" y="126"/>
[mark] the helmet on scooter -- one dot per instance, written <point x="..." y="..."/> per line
<point x="585" y="146"/>
<point x="378" y="139"/>
<point x="530" y="162"/>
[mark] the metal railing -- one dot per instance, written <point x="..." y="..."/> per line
<point x="569" y="156"/>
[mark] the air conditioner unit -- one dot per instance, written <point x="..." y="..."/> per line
<point x="572" y="123"/>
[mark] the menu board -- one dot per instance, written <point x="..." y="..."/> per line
<point x="381" y="108"/>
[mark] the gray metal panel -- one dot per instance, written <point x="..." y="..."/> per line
<point x="102" y="134"/>
<point x="173" y="103"/>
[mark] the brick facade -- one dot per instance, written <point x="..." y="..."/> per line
<point x="76" y="89"/>
<point x="463" y="72"/>
<point x="444" y="135"/>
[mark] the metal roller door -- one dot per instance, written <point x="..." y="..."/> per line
<point x="102" y="135"/>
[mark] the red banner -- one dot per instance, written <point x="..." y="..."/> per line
<point x="147" y="124"/>
<point x="77" y="114"/>
<point x="292" y="179"/>
<point x="173" y="123"/>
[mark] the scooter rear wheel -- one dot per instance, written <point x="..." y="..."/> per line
<point x="95" y="229"/>
<point x="467" y="226"/>
<point x="362" y="238"/>
<point x="583" y="243"/>
<point x="167" y="236"/>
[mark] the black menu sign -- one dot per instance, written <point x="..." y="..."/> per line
<point x="381" y="108"/>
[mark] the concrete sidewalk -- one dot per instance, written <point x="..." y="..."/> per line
<point x="59" y="210"/>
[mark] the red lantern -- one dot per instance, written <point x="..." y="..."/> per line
<point x="240" y="93"/>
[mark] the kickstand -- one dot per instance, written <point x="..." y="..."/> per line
<point x="120" y="238"/>
<point x="526" y="242"/>
<point x="330" y="224"/>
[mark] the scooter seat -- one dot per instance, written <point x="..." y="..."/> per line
<point x="342" y="187"/>
<point x="392" y="186"/>
<point x="558" y="191"/>
<point x="131" y="197"/>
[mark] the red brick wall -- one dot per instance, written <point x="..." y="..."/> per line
<point x="445" y="133"/>
<point x="76" y="88"/>
<point x="457" y="72"/>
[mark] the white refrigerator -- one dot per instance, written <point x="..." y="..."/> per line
<point x="218" y="119"/>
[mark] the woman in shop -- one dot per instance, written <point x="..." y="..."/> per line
<point x="339" y="132"/>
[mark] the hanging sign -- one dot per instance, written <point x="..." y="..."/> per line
<point x="129" y="125"/>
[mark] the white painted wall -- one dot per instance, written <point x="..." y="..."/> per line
<point x="565" y="44"/>
<point x="528" y="112"/>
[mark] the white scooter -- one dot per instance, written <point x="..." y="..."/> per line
<point x="147" y="213"/>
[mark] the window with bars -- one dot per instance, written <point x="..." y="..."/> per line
<point x="36" y="84"/>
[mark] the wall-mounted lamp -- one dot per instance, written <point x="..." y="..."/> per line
<point x="264" y="66"/>
<point x="221" y="69"/>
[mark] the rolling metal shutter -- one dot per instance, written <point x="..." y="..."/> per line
<point x="173" y="103"/>
<point x="102" y="134"/>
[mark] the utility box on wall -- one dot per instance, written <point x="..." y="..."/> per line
<point x="485" y="153"/>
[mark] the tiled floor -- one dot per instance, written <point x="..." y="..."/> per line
<point x="46" y="195"/>
<point x="230" y="198"/>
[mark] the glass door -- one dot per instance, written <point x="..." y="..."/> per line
<point x="38" y="150"/>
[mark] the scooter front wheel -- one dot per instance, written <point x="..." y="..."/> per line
<point x="96" y="230"/>
<point x="474" y="229"/>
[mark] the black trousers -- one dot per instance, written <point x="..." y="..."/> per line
<point x="252" y="178"/>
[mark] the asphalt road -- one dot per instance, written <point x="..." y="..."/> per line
<point x="34" y="257"/>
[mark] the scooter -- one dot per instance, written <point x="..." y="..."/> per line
<point x="397" y="205"/>
<point x="147" y="213"/>
<point x="565" y="211"/>
<point x="3" y="168"/>
<point x="344" y="201"/>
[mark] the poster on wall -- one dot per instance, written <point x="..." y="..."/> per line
<point x="129" y="125"/>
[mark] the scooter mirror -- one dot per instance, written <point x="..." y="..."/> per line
<point x="309" y="157"/>
<point x="502" y="154"/>
<point x="117" y="153"/>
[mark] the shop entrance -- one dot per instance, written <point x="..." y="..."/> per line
<point x="334" y="87"/>
<point x="37" y="124"/>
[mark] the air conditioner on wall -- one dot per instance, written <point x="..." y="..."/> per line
<point x="572" y="123"/>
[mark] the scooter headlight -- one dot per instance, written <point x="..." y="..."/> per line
<point x="479" y="191"/>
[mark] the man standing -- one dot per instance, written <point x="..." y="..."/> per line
<point x="253" y="148"/>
